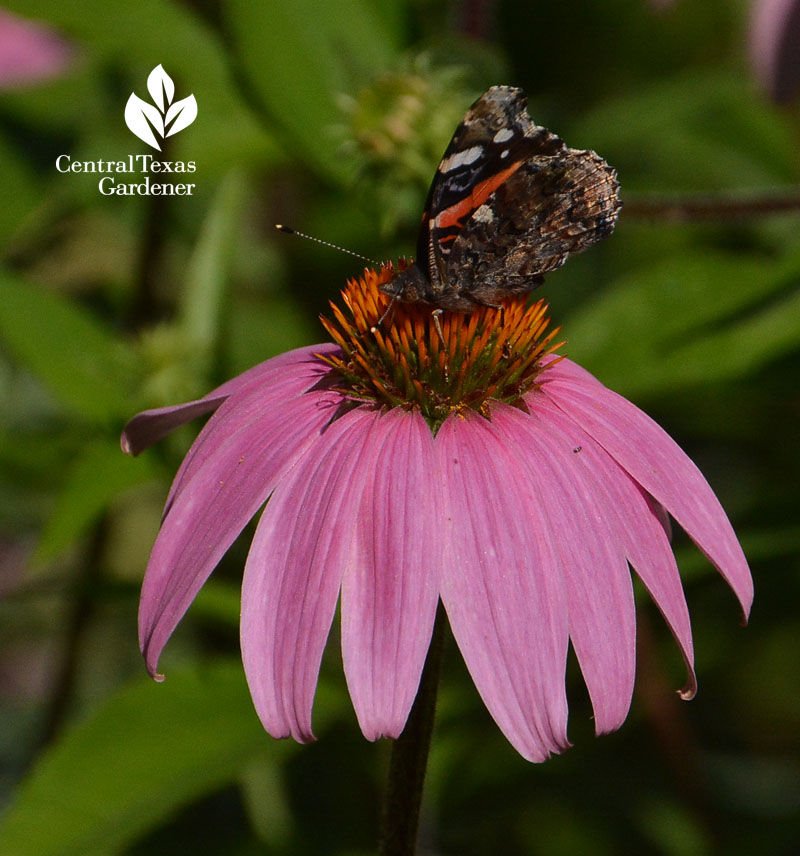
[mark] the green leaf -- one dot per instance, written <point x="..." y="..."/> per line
<point x="690" y="320"/>
<point x="99" y="475"/>
<point x="209" y="265"/>
<point x="702" y="130"/>
<point x="743" y="347"/>
<point x="149" y="749"/>
<point x="266" y="326"/>
<point x="264" y="793"/>
<point x="19" y="191"/>
<point x="218" y="601"/>
<point x="300" y="57"/>
<point x="81" y="363"/>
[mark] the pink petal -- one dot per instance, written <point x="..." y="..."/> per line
<point x="249" y="442"/>
<point x="504" y="596"/>
<point x="149" y="427"/>
<point x="390" y="593"/>
<point x="589" y="557"/>
<point x="260" y="394"/>
<point x="775" y="46"/>
<point x="638" y="525"/>
<point x="303" y="545"/>
<point x="644" y="450"/>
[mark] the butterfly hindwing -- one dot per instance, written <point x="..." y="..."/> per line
<point x="509" y="202"/>
<point x="551" y="207"/>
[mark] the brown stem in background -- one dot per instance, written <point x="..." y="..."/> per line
<point x="685" y="209"/>
<point x="476" y="18"/>
<point x="667" y="717"/>
<point x="79" y="611"/>
<point x="145" y="305"/>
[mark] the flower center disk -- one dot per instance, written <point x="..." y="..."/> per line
<point x="491" y="354"/>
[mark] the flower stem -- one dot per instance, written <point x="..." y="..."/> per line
<point x="409" y="759"/>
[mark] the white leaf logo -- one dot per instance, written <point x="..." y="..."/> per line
<point x="181" y="114"/>
<point x="159" y="85"/>
<point x="150" y="122"/>
<point x="137" y="112"/>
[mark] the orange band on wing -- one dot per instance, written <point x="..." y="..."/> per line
<point x="480" y="193"/>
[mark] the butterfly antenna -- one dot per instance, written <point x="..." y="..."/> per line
<point x="289" y="231"/>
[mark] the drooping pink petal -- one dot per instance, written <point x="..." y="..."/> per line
<point x="775" y="46"/>
<point x="589" y="556"/>
<point x="150" y="426"/>
<point x="501" y="586"/>
<point x="637" y="521"/>
<point x="249" y="442"/>
<point x="262" y="393"/>
<point x="390" y="592"/>
<point x="644" y="450"/>
<point x="303" y="546"/>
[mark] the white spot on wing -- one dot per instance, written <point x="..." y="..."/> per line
<point x="504" y="154"/>
<point x="502" y="135"/>
<point x="484" y="214"/>
<point x="458" y="159"/>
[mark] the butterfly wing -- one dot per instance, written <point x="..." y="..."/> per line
<point x="473" y="165"/>
<point x="511" y="202"/>
<point x="551" y="206"/>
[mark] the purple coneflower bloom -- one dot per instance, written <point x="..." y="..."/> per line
<point x="29" y="52"/>
<point x="489" y="472"/>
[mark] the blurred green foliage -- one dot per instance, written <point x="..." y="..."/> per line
<point x="330" y="117"/>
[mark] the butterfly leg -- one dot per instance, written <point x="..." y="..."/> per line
<point x="436" y="323"/>
<point x="389" y="308"/>
<point x="494" y="306"/>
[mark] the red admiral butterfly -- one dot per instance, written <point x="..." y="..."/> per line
<point x="509" y="202"/>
